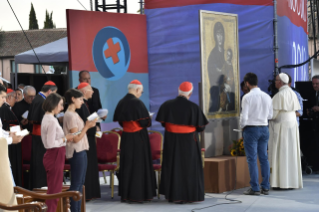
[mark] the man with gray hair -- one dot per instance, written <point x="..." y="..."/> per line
<point x="136" y="177"/>
<point x="21" y="107"/>
<point x="284" y="147"/>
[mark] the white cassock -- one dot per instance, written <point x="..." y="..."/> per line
<point x="284" y="147"/>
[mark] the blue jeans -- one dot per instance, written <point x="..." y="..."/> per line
<point x="256" y="142"/>
<point x="78" y="171"/>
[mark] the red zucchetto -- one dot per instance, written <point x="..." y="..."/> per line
<point x="9" y="90"/>
<point x="136" y="82"/>
<point x="50" y="83"/>
<point x="186" y="87"/>
<point x="83" y="85"/>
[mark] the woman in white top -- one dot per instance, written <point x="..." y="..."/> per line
<point x="76" y="150"/>
<point x="54" y="141"/>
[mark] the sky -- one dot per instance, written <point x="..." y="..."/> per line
<point x="22" y="8"/>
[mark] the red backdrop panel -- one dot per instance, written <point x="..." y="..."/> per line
<point x="296" y="11"/>
<point x="83" y="27"/>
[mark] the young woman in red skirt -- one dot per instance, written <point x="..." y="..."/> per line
<point x="54" y="141"/>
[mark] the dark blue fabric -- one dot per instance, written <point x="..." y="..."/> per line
<point x="293" y="49"/>
<point x="174" y="47"/>
<point x="256" y="142"/>
<point x="78" y="170"/>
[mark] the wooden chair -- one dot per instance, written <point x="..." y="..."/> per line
<point x="108" y="154"/>
<point x="156" y="143"/>
<point x="62" y="201"/>
<point x="42" y="196"/>
<point x="32" y="206"/>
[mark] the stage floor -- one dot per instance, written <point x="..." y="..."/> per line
<point x="306" y="199"/>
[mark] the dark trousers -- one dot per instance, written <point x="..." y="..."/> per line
<point x="78" y="171"/>
<point x="256" y="142"/>
<point x="53" y="162"/>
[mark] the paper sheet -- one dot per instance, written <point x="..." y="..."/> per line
<point x="25" y="114"/>
<point x="98" y="134"/>
<point x="23" y="133"/>
<point x="15" y="128"/>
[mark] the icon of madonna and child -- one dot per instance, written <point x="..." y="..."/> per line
<point x="221" y="74"/>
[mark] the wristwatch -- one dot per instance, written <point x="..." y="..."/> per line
<point x="65" y="140"/>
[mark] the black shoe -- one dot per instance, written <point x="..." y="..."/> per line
<point x="251" y="192"/>
<point x="265" y="191"/>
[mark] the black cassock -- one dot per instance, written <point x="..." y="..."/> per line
<point x="38" y="176"/>
<point x="136" y="176"/>
<point x="92" y="180"/>
<point x="9" y="119"/>
<point x="19" y="109"/>
<point x="182" y="172"/>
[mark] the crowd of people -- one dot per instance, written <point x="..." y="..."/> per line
<point x="72" y="137"/>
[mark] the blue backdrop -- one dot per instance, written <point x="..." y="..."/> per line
<point x="174" y="47"/>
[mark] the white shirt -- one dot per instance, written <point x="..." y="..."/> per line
<point x="256" y="109"/>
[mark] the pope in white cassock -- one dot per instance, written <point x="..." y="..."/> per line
<point x="284" y="148"/>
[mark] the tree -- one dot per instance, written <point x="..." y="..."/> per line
<point x="48" y="23"/>
<point x="33" y="22"/>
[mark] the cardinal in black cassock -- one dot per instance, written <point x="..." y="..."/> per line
<point x="38" y="176"/>
<point x="9" y="119"/>
<point x="92" y="180"/>
<point x="182" y="172"/>
<point x="136" y="176"/>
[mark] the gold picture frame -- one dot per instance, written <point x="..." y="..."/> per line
<point x="219" y="64"/>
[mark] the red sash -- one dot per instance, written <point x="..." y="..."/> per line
<point x="131" y="126"/>
<point x="36" y="129"/>
<point x="175" y="128"/>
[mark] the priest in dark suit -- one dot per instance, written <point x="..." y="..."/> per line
<point x="94" y="104"/>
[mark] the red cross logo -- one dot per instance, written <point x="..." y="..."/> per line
<point x="112" y="50"/>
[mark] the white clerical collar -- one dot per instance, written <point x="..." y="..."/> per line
<point x="283" y="87"/>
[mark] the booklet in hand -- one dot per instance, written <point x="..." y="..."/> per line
<point x="94" y="116"/>
<point x="102" y="112"/>
<point x="25" y="114"/>
<point x="22" y="133"/>
<point x="15" y="129"/>
<point x="77" y="133"/>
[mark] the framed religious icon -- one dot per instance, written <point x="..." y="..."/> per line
<point x="219" y="64"/>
